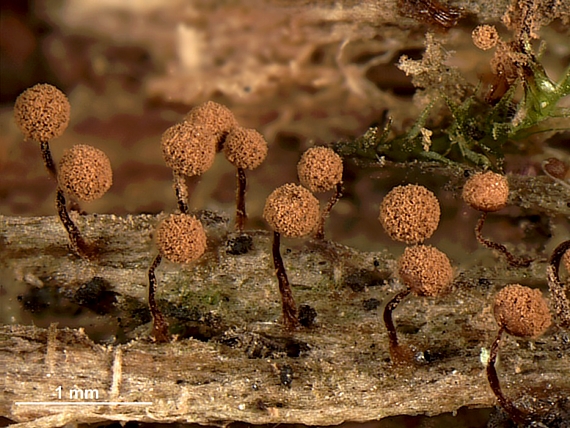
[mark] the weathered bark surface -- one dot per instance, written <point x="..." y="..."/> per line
<point x="341" y="367"/>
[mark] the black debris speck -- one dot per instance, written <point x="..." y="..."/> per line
<point x="286" y="375"/>
<point x="361" y="279"/>
<point x="96" y="295"/>
<point x="307" y="315"/>
<point x="239" y="245"/>
<point x="37" y="300"/>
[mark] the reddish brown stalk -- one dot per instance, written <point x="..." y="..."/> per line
<point x="320" y="232"/>
<point x="181" y="190"/>
<point x="511" y="259"/>
<point x="516" y="415"/>
<point x="78" y="244"/>
<point x="48" y="160"/>
<point x="290" y="318"/>
<point x="241" y="215"/>
<point x="396" y="352"/>
<point x="160" y="325"/>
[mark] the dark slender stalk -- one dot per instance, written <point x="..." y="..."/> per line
<point x="320" y="232"/>
<point x="511" y="259"/>
<point x="181" y="190"/>
<point x="48" y="160"/>
<point x="160" y="325"/>
<point x="78" y="244"/>
<point x="290" y="318"/>
<point x="557" y="289"/>
<point x="392" y="335"/>
<point x="241" y="215"/>
<point x="516" y="415"/>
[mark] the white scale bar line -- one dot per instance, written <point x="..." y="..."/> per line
<point x="84" y="403"/>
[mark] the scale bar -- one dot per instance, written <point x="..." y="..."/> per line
<point x="83" y="403"/>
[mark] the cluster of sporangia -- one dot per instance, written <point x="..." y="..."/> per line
<point x="42" y="113"/>
<point x="409" y="213"/>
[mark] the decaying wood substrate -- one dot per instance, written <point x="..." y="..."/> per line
<point x="245" y="367"/>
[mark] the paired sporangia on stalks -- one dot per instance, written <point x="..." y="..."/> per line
<point x="84" y="173"/>
<point x="189" y="150"/>
<point x="245" y="149"/>
<point x="411" y="214"/>
<point x="488" y="192"/>
<point x="522" y="312"/>
<point x="180" y="238"/>
<point x="290" y="210"/>
<point x="42" y="114"/>
<point x="320" y="170"/>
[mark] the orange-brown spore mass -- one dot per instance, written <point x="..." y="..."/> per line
<point x="291" y="210"/>
<point x="85" y="172"/>
<point x="410" y="213"/>
<point x="245" y="148"/>
<point x="181" y="238"/>
<point x="522" y="311"/>
<point x="188" y="149"/>
<point x="425" y="269"/>
<point x="320" y="169"/>
<point x="485" y="37"/>
<point x="486" y="191"/>
<point x="42" y="112"/>
<point x="216" y="118"/>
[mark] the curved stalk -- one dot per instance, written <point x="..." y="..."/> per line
<point x="77" y="242"/>
<point x="320" y="232"/>
<point x="397" y="354"/>
<point x="516" y="415"/>
<point x="511" y="259"/>
<point x="558" y="291"/>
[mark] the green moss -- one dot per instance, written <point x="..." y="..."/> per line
<point x="470" y="128"/>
